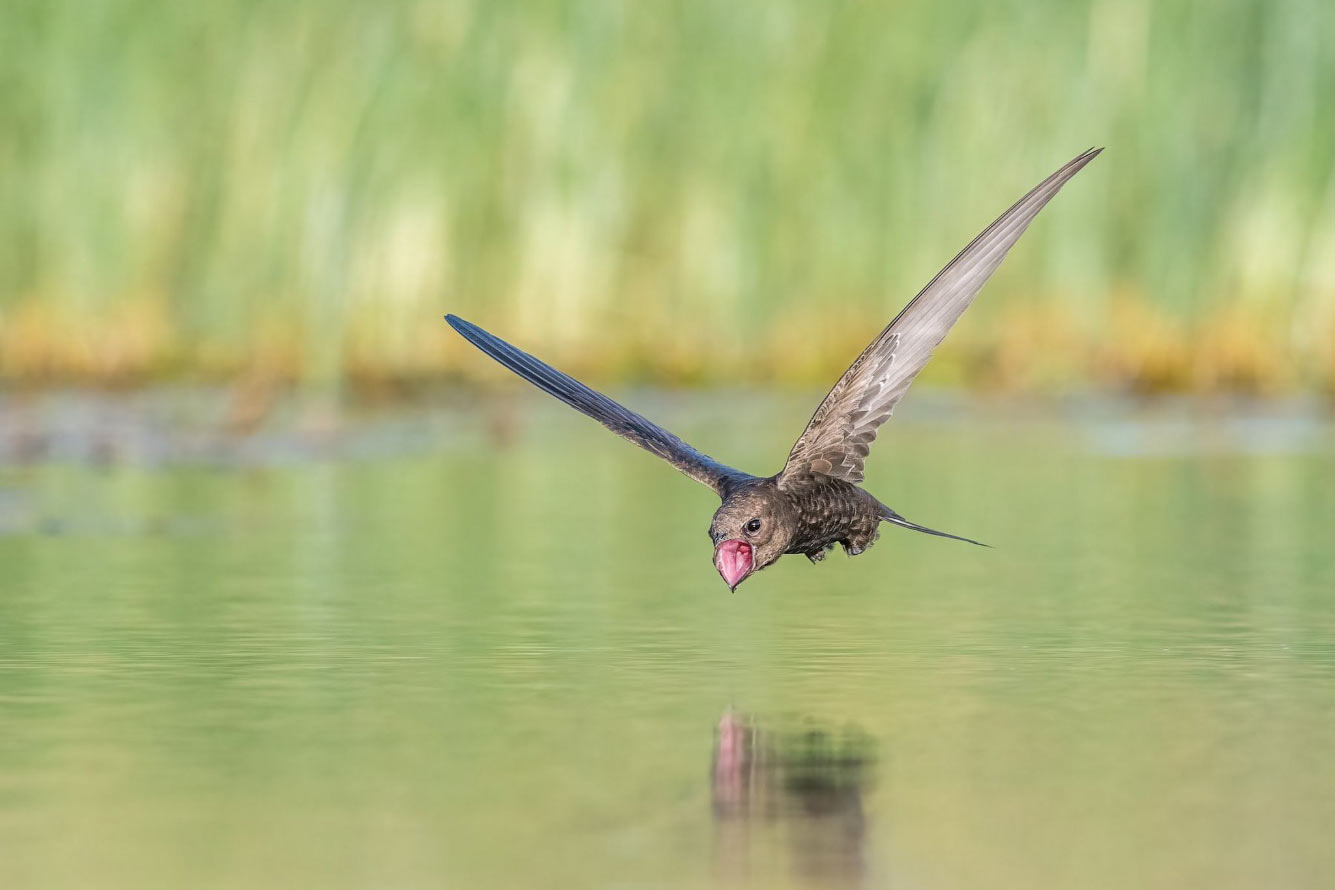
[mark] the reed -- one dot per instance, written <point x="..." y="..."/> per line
<point x="698" y="192"/>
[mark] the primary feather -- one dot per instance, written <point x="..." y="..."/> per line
<point x="839" y="435"/>
<point x="617" y="418"/>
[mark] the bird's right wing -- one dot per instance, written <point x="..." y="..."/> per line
<point x="615" y="417"/>
<point x="839" y="435"/>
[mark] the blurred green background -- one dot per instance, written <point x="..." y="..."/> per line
<point x="249" y="638"/>
<point x="690" y="192"/>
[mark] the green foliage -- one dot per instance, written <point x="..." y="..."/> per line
<point x="662" y="190"/>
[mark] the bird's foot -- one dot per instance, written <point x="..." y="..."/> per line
<point x="859" y="542"/>
<point x="819" y="553"/>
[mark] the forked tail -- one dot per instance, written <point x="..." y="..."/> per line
<point x="891" y="516"/>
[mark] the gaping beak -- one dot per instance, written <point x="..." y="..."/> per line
<point x="734" y="561"/>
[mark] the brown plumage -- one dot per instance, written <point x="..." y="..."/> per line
<point x="814" y="502"/>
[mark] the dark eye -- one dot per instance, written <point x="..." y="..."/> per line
<point x="753" y="526"/>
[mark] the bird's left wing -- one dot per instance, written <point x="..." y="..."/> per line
<point x="839" y="435"/>
<point x="615" y="417"/>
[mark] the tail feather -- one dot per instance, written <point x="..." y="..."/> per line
<point x="893" y="517"/>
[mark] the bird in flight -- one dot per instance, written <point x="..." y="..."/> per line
<point x="815" y="501"/>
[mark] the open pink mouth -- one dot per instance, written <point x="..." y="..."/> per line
<point x="734" y="561"/>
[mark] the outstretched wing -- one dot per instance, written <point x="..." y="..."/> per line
<point x="618" y="419"/>
<point x="839" y="435"/>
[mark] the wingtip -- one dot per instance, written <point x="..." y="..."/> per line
<point x="1066" y="171"/>
<point x="1088" y="155"/>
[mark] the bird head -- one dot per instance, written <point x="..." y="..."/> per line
<point x="750" y="530"/>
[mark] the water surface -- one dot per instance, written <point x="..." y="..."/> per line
<point x="502" y="658"/>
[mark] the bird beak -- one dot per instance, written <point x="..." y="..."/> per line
<point x="734" y="561"/>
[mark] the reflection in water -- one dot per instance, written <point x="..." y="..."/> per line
<point x="803" y="782"/>
<point x="1137" y="692"/>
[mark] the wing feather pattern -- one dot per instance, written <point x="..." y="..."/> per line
<point x="615" y="417"/>
<point x="839" y="436"/>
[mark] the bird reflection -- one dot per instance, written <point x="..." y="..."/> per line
<point x="795" y="786"/>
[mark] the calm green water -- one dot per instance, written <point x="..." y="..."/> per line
<point x="475" y="666"/>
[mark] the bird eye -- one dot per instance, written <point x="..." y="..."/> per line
<point x="753" y="526"/>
